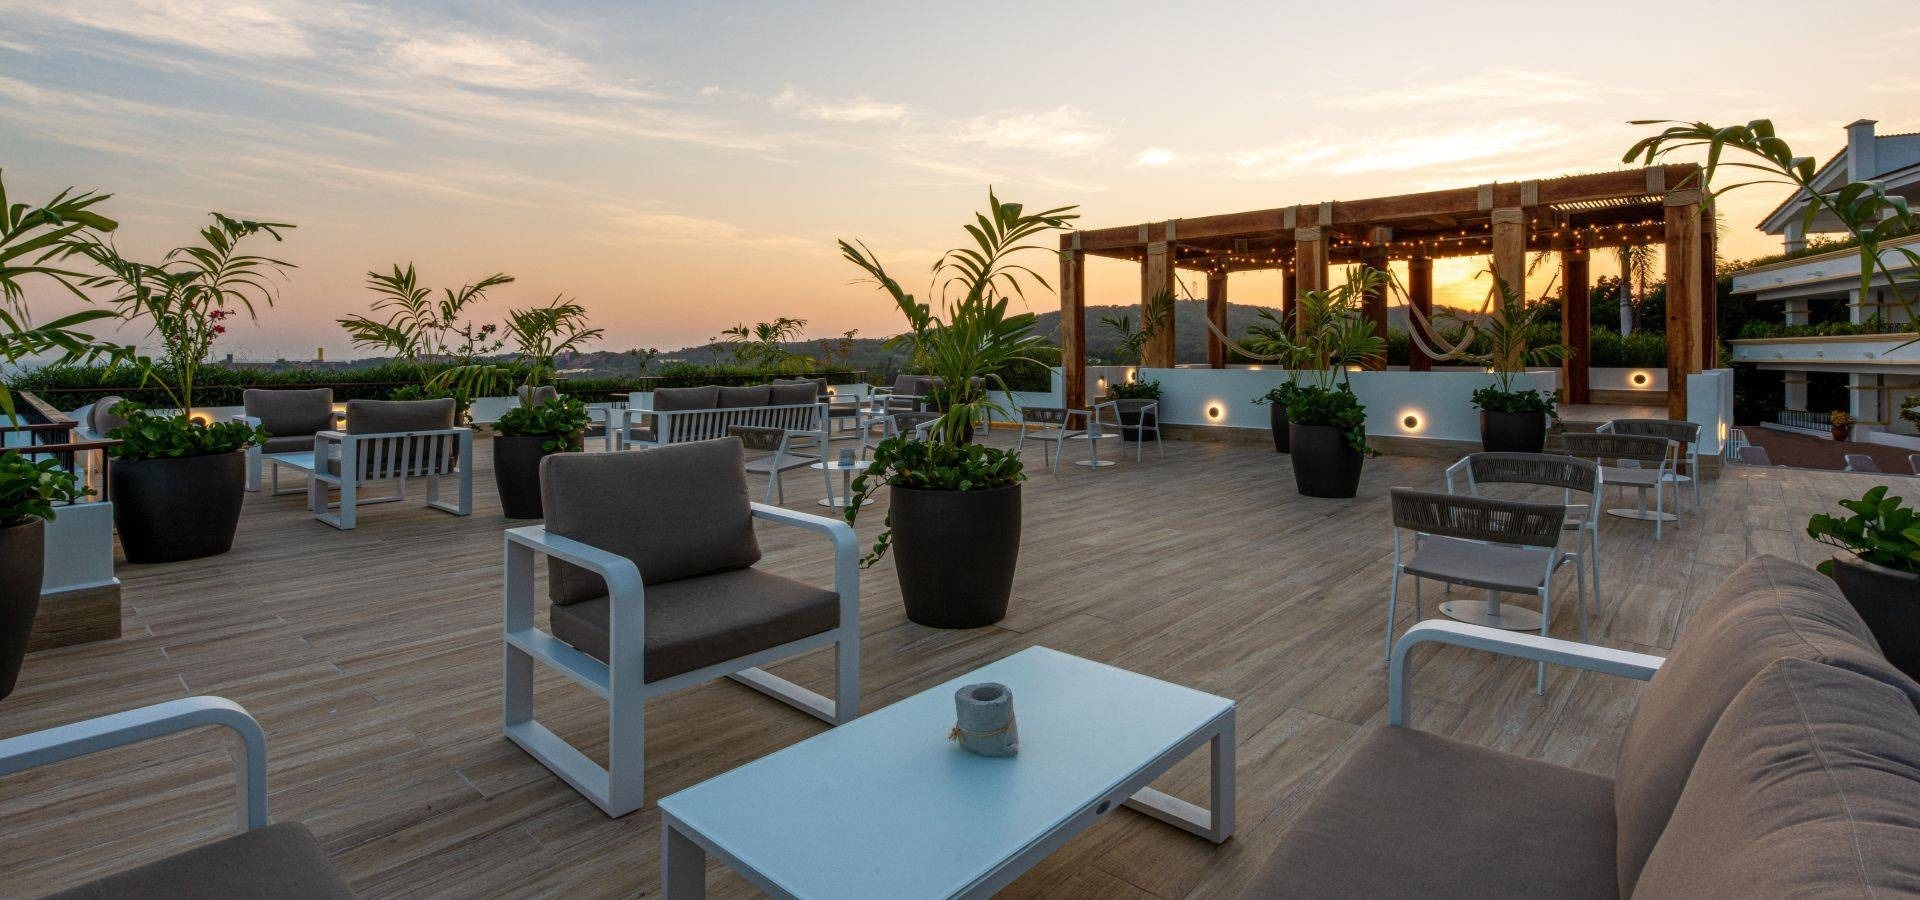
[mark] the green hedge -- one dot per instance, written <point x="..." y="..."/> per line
<point x="1608" y="348"/>
<point x="1764" y="330"/>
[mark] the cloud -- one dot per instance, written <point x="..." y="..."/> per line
<point x="1493" y="88"/>
<point x="799" y="104"/>
<point x="1411" y="149"/>
<point x="1156" y="157"/>
<point x="252" y="29"/>
<point x="504" y="63"/>
<point x="1063" y="132"/>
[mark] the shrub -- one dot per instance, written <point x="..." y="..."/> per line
<point x="29" y="488"/>
<point x="150" y="436"/>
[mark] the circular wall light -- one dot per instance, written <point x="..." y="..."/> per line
<point x="1640" y="378"/>
<point x="1411" y="421"/>
<point x="1213" y="412"/>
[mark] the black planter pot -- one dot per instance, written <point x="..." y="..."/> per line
<point x="1324" y="465"/>
<point x="22" y="561"/>
<point x="1513" y="432"/>
<point x="1889" y="602"/>
<point x="516" y="473"/>
<point x="1282" y="433"/>
<point x="955" y="552"/>
<point x="1130" y="425"/>
<point x="168" y="510"/>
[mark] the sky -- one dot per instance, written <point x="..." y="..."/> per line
<point x="679" y="168"/>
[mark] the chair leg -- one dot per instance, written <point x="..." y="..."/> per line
<point x="1580" y="584"/>
<point x="1659" y="508"/>
<point x="1393" y="597"/>
<point x="1419" y="611"/>
<point x="349" y="492"/>
<point x="1546" y="620"/>
<point x="846" y="684"/>
<point x="253" y="468"/>
<point x="1593" y="542"/>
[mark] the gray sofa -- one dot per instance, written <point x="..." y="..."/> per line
<point x="640" y="426"/>
<point x="1775" y="752"/>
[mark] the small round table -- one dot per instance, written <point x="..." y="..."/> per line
<point x="1492" y="613"/>
<point x="827" y="468"/>
<point x="1093" y="460"/>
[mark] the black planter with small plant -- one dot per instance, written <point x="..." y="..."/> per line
<point x="1879" y="572"/>
<point x="523" y="437"/>
<point x="29" y="490"/>
<point x="953" y="519"/>
<point x="177" y="484"/>
<point x="1130" y="415"/>
<point x="1328" y="436"/>
<point x="1514" y="421"/>
<point x="1276" y="401"/>
<point x="1326" y="423"/>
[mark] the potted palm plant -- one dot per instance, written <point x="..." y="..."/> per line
<point x="953" y="519"/>
<point x="1497" y="339"/>
<point x="178" y="481"/>
<point x="1878" y="570"/>
<point x="1270" y="338"/>
<point x="29" y="489"/>
<point x="426" y="333"/>
<point x="542" y="422"/>
<point x="1327" y="425"/>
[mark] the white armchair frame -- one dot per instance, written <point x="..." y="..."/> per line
<point x="64" y="742"/>
<point x="618" y="788"/>
<point x="1531" y="647"/>
<point x="394" y="456"/>
<point x="1051" y="426"/>
<point x="258" y="459"/>
<point x="684" y="425"/>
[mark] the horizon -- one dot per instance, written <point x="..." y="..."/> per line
<point x="682" y="170"/>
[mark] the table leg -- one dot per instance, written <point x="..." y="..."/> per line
<point x="1214" y="824"/>
<point x="683" y="865"/>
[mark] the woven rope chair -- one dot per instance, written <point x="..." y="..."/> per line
<point x="1494" y="545"/>
<point x="1638" y="461"/>
<point x="1050" y="426"/>
<point x="777" y="454"/>
<point x="1684" y="434"/>
<point x="1568" y="474"/>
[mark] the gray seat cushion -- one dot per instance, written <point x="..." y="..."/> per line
<point x="798" y="394"/>
<point x="1480" y="565"/>
<point x="697" y="622"/>
<point x="279" y="861"/>
<point x="1768" y="609"/>
<point x="390" y="416"/>
<point x="738" y="397"/>
<point x="291" y="414"/>
<point x="677" y="511"/>
<point x="1413" y="814"/>
<point x="1809" y="786"/>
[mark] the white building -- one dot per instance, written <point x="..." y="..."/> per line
<point x="1882" y="369"/>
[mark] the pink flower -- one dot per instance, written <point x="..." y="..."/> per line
<point x="219" y="329"/>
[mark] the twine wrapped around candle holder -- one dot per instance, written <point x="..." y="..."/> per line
<point x="983" y="720"/>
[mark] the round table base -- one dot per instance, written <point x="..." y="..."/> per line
<point x="1644" y="515"/>
<point x="1095" y="463"/>
<point x="1512" y="618"/>
<point x="841" y="502"/>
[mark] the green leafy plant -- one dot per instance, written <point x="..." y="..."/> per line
<point x="1331" y="339"/>
<point x="973" y="338"/>
<point x="561" y="421"/>
<point x="1910" y="408"/>
<point x="539" y="334"/>
<point x="933" y="466"/>
<point x="30" y="488"/>
<point x="1336" y="406"/>
<point x="190" y="295"/>
<point x="1282" y="396"/>
<point x="1133" y="390"/>
<point x="763" y="345"/>
<point x="417" y="326"/>
<point x="1493" y="399"/>
<point x="35" y="241"/>
<point x="147" y="435"/>
<point x="1501" y="337"/>
<point x="1153" y="321"/>
<point x="1881" y="530"/>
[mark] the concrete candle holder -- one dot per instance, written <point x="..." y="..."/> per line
<point x="983" y="720"/>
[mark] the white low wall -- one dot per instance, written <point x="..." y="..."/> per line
<point x="79" y="544"/>
<point x="1643" y="379"/>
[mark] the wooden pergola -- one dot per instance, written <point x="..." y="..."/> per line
<point x="1570" y="215"/>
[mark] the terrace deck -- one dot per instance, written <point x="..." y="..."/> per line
<point x="372" y="657"/>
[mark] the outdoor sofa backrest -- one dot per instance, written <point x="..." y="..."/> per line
<point x="680" y="415"/>
<point x="400" y="438"/>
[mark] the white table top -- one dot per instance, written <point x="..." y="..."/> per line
<point x="886" y="807"/>
<point x="834" y="465"/>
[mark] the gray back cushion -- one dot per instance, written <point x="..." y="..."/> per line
<point x="906" y="384"/>
<point x="1808" y="787"/>
<point x="819" y="385"/>
<point x="101" y="418"/>
<point x="389" y="416"/>
<point x="684" y="398"/>
<point x="1768" y="609"/>
<point x="677" y="511"/>
<point x="539" y="394"/>
<point x="793" y="394"/>
<point x="737" y="397"/>
<point x="291" y="413"/>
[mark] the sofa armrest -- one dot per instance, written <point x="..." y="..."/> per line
<point x="846" y="552"/>
<point x="1590" y="657"/>
<point x="620" y="573"/>
<point x="64" y="742"/>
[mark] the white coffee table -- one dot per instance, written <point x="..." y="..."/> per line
<point x="886" y="807"/>
<point x="846" y="470"/>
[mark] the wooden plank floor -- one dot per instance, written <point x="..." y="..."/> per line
<point x="372" y="657"/>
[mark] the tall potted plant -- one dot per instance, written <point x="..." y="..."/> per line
<point x="178" y="481"/>
<point x="1270" y="338"/>
<point x="954" y="514"/>
<point x="29" y="489"/>
<point x="1498" y="340"/>
<point x="542" y="422"/>
<point x="1327" y="427"/>
<point x="1878" y="569"/>
<point x="425" y="332"/>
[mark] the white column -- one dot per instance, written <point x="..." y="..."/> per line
<point x="1856" y="306"/>
<point x="1863" y="399"/>
<point x="1796" y="236"/>
<point x="1796" y="393"/>
<point x="1796" y="310"/>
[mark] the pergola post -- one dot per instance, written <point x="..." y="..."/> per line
<point x="1156" y="276"/>
<point x="1373" y="303"/>
<point x="1289" y="295"/>
<point x="1709" y="290"/>
<point x="1073" y="323"/>
<point x="1510" y="248"/>
<point x="1420" y="297"/>
<point x="1683" y="295"/>
<point x="1217" y="314"/>
<point x="1309" y="264"/>
<point x="1576" y="324"/>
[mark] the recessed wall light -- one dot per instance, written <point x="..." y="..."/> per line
<point x="1411" y="421"/>
<point x="1213" y="412"/>
<point x="1640" y="378"/>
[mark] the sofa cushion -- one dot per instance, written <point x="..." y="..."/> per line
<point x="390" y="416"/>
<point x="677" y="511"/>
<point x="1414" y="814"/>
<point x="280" y="861"/>
<point x="101" y="419"/>
<point x="738" y="397"/>
<point x="696" y="622"/>
<point x="1808" y="786"/>
<point x="819" y="385"/>
<point x="291" y="414"/>
<point x="795" y="394"/>
<point x="684" y="398"/>
<point x="1768" y="609"/>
